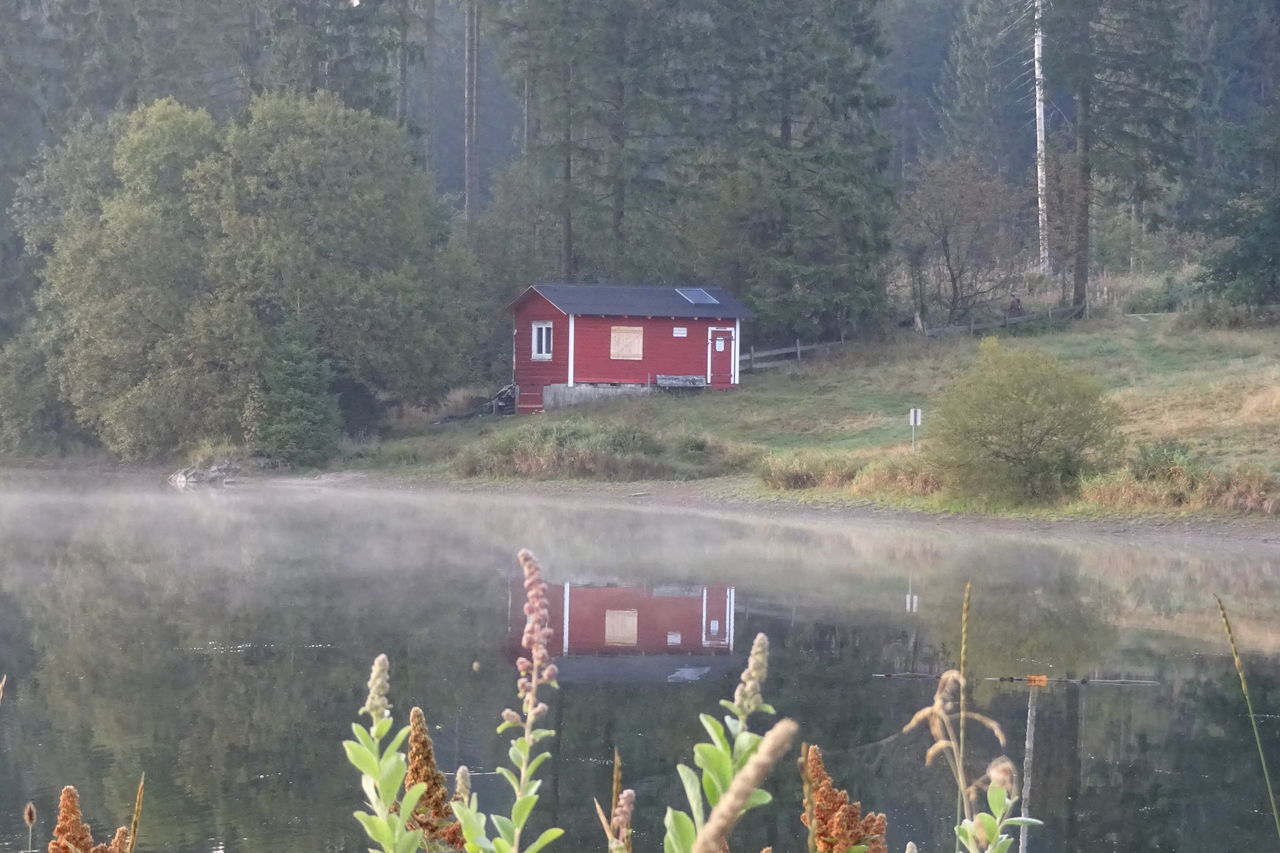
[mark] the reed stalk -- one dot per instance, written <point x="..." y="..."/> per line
<point x="1253" y="719"/>
<point x="961" y="810"/>
<point x="137" y="813"/>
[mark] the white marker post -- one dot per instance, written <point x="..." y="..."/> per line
<point x="914" y="419"/>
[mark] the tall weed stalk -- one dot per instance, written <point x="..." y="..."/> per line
<point x="1253" y="718"/>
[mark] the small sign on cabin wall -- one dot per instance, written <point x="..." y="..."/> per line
<point x="680" y="332"/>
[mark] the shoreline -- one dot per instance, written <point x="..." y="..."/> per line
<point x="733" y="497"/>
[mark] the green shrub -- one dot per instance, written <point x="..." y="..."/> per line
<point x="301" y="421"/>
<point x="1021" y="423"/>
<point x="1163" y="460"/>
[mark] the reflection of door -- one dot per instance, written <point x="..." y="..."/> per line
<point x="720" y="357"/>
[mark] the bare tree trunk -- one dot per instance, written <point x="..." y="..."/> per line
<point x="1042" y="179"/>
<point x="429" y="82"/>
<point x="568" y="267"/>
<point x="470" y="151"/>
<point x="1084" y="178"/>
<point x="618" y="135"/>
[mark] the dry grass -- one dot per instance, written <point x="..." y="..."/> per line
<point x="810" y="469"/>
<point x="901" y="474"/>
<point x="1242" y="490"/>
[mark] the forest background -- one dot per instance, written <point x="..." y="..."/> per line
<point x="212" y="208"/>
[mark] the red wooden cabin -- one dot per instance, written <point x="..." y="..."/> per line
<point x="593" y="619"/>
<point x="576" y="341"/>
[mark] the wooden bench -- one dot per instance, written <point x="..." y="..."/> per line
<point x="674" y="381"/>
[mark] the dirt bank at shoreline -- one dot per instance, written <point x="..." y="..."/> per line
<point x="736" y="497"/>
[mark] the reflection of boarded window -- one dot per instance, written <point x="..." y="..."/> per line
<point x="673" y="638"/>
<point x="626" y="342"/>
<point x="620" y="627"/>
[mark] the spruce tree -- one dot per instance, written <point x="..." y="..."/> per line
<point x="1124" y="61"/>
<point x="301" y="421"/>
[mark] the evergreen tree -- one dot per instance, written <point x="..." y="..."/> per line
<point x="987" y="88"/>
<point x="1125" y="64"/>
<point x="301" y="422"/>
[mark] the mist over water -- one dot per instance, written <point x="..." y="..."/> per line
<point x="220" y="641"/>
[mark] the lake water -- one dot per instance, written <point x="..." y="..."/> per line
<point x="220" y="641"/>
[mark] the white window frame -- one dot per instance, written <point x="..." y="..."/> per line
<point x="536" y="338"/>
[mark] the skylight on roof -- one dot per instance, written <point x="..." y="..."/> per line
<point x="697" y="296"/>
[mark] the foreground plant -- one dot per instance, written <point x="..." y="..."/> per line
<point x="1253" y="719"/>
<point x="535" y="671"/>
<point x="835" y="825"/>
<point x="73" y="835"/>
<point x="725" y="761"/>
<point x="985" y="830"/>
<point x="383" y="770"/>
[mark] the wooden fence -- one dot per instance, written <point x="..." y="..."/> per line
<point x="755" y="359"/>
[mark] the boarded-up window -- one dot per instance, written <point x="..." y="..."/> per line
<point x="626" y="342"/>
<point x="620" y="627"/>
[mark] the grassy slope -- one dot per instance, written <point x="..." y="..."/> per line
<point x="1218" y="391"/>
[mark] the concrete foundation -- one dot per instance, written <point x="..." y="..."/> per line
<point x="559" y="396"/>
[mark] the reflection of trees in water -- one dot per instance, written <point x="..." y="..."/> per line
<point x="226" y="658"/>
<point x="109" y="607"/>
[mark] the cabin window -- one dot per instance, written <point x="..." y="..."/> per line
<point x="673" y="638"/>
<point x="621" y="627"/>
<point x="680" y="332"/>
<point x="626" y="343"/>
<point x="541" y="341"/>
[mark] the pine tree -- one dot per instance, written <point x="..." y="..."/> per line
<point x="301" y="422"/>
<point x="1130" y="82"/>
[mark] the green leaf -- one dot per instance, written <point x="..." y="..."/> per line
<point x="363" y="737"/>
<point x="521" y="808"/>
<point x="692" y="792"/>
<point x="515" y="756"/>
<point x="506" y="829"/>
<point x="375" y="828"/>
<point x="998" y="800"/>
<point x="411" y="798"/>
<point x="500" y="845"/>
<point x="507" y="724"/>
<point x="1023" y="821"/>
<point x="962" y="832"/>
<point x="361" y="758"/>
<point x="745" y="745"/>
<point x="531" y="788"/>
<point x="379" y="729"/>
<point x="398" y="740"/>
<point x="511" y="779"/>
<point x="714" y="761"/>
<point x="1002" y="844"/>
<point x="759" y="797"/>
<point x="730" y="707"/>
<point x="713" y="727"/>
<point x="392" y="775"/>
<point x="409" y="842"/>
<point x="536" y="763"/>
<point x="520" y="745"/>
<point x="680" y="832"/>
<point x="990" y="828"/>
<point x="544" y="839"/>
<point x="539" y="735"/>
<point x="767" y="709"/>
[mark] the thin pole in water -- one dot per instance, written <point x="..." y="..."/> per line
<point x="1026" y="764"/>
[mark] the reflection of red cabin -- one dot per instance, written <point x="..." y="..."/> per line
<point x="622" y="620"/>
<point x="571" y="336"/>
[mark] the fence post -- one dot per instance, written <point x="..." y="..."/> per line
<point x="797" y="349"/>
<point x="751" y="359"/>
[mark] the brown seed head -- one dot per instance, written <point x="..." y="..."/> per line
<point x="71" y="834"/>
<point x="29" y="815"/>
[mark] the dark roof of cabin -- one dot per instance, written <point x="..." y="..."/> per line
<point x="641" y="301"/>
